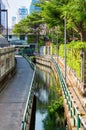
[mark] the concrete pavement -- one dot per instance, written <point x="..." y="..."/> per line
<point x="13" y="98"/>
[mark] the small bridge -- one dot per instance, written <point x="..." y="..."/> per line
<point x="29" y="49"/>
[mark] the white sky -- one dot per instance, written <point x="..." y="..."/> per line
<point x="13" y="8"/>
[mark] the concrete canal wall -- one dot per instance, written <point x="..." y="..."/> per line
<point x="7" y="63"/>
<point x="72" y="81"/>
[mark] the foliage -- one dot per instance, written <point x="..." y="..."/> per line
<point x="21" y="27"/>
<point x="52" y="13"/>
<point x="77" y="45"/>
<point x="52" y="124"/>
<point x="55" y="101"/>
<point x="32" y="39"/>
<point x="56" y="108"/>
<point x="30" y="24"/>
<point x="73" y="55"/>
<point x="73" y="51"/>
<point x="75" y="12"/>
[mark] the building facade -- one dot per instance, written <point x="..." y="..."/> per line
<point x="22" y="13"/>
<point x="3" y="22"/>
<point x="13" y="21"/>
<point x="33" y="7"/>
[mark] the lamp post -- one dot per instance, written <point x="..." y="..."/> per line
<point x="5" y="10"/>
<point x="57" y="43"/>
<point x="0" y="16"/>
<point x="65" y="48"/>
<point x="56" y="29"/>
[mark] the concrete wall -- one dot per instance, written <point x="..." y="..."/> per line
<point x="71" y="77"/>
<point x="72" y="82"/>
<point x="7" y="61"/>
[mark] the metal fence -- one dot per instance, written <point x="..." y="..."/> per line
<point x="28" y="107"/>
<point x="78" y="121"/>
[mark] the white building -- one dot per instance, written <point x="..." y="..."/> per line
<point x="22" y="13"/>
<point x="13" y="21"/>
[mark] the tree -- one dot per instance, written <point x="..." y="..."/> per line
<point x="76" y="15"/>
<point x="74" y="10"/>
<point x="21" y="27"/>
<point x="31" y="24"/>
<point x="52" y="13"/>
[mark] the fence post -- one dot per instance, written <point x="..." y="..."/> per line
<point x="78" y="122"/>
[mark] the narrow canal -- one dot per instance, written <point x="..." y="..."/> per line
<point x="49" y="102"/>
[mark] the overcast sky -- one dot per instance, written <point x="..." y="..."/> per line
<point x="13" y="6"/>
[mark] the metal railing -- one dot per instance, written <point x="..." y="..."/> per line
<point x="28" y="108"/>
<point x="78" y="120"/>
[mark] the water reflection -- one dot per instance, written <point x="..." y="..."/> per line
<point x="43" y="95"/>
<point x="47" y="91"/>
<point x="39" y="120"/>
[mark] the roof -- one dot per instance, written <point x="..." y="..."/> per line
<point x="3" y="41"/>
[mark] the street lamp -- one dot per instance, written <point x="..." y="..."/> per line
<point x="5" y="10"/>
<point x="65" y="48"/>
<point x="56" y="29"/>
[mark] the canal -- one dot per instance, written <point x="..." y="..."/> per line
<point x="49" y="101"/>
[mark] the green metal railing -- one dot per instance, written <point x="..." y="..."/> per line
<point x="78" y="121"/>
<point x="28" y="108"/>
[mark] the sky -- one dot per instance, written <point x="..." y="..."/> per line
<point x="13" y="6"/>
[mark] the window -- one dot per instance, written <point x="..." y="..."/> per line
<point x="10" y="36"/>
<point x="22" y="37"/>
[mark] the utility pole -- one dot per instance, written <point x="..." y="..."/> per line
<point x="65" y="48"/>
<point x="6" y="11"/>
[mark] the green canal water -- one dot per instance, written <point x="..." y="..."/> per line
<point x="48" y="93"/>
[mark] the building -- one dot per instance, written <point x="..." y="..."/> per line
<point x="33" y="7"/>
<point x="3" y="15"/>
<point x="22" y="13"/>
<point x="13" y="21"/>
<point x="3" y="22"/>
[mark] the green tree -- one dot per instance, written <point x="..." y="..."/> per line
<point x="52" y="14"/>
<point x="74" y="10"/>
<point x="21" y="27"/>
<point x="31" y="24"/>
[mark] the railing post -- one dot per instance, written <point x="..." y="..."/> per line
<point x="71" y="109"/>
<point x="74" y="112"/>
<point x="78" y="122"/>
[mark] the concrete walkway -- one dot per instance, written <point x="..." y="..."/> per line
<point x="14" y="96"/>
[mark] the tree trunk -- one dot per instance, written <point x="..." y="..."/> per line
<point x="83" y="36"/>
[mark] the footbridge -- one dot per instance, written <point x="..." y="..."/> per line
<point x="75" y="111"/>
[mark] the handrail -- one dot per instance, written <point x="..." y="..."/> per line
<point x="28" y="104"/>
<point x="31" y="63"/>
<point x="78" y="121"/>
